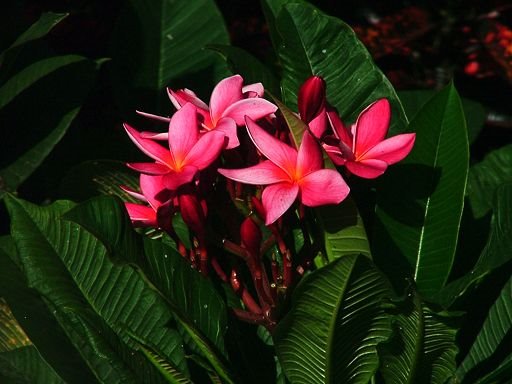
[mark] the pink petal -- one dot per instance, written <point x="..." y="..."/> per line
<point x="334" y="154"/>
<point x="368" y="169"/>
<point x="311" y="98"/>
<point x="225" y="93"/>
<point x="339" y="129"/>
<point x="174" y="180"/>
<point x="149" y="147"/>
<point x="154" y="189"/>
<point x="325" y="186"/>
<point x="318" y="125"/>
<point x="228" y="126"/>
<point x="183" y="96"/>
<point x="372" y="126"/>
<point x="154" y="117"/>
<point x="150" y="168"/>
<point x="263" y="173"/>
<point x="253" y="90"/>
<point x="131" y="192"/>
<point x="284" y="156"/>
<point x="392" y="150"/>
<point x="206" y="150"/>
<point x="155" y="135"/>
<point x="254" y="107"/>
<point x="183" y="132"/>
<point x="277" y="198"/>
<point x="309" y="158"/>
<point x="141" y="215"/>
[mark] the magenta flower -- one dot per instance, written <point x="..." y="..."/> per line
<point x="312" y="105"/>
<point x="363" y="148"/>
<point x="187" y="154"/>
<point x="230" y="102"/>
<point x="289" y="174"/>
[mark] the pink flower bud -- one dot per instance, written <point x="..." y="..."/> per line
<point x="192" y="213"/>
<point x="251" y="236"/>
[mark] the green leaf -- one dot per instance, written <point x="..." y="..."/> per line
<point x="70" y="267"/>
<point x="296" y="126"/>
<point x="336" y="321"/>
<point x="29" y="75"/>
<point x="11" y="334"/>
<point x="491" y="337"/>
<point x="420" y="201"/>
<point x="475" y="113"/>
<point x="422" y="349"/>
<point x="317" y="44"/>
<point x="26" y="366"/>
<point x="249" y="67"/>
<point x="99" y="177"/>
<point x="343" y="230"/>
<point x="158" y="41"/>
<point x="494" y="170"/>
<point x="495" y="253"/>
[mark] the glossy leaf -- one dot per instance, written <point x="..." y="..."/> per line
<point x="343" y="230"/>
<point x="296" y="126"/>
<point x="25" y="365"/>
<point x="495" y="253"/>
<point x="422" y="349"/>
<point x="317" y="44"/>
<point x="70" y="267"/>
<point x="420" y="200"/>
<point x="334" y="307"/>
<point x="493" y="333"/>
<point x="484" y="177"/>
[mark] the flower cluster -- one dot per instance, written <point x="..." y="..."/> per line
<point x="209" y="150"/>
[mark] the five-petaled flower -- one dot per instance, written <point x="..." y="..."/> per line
<point x="363" y="148"/>
<point x="289" y="174"/>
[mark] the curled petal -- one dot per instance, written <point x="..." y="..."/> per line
<point x="174" y="180"/>
<point x="141" y="215"/>
<point x="311" y="98"/>
<point x="392" y="150"/>
<point x="253" y="90"/>
<point x="372" y="126"/>
<point x="277" y="198"/>
<point x="263" y="173"/>
<point x="183" y="132"/>
<point x="225" y="93"/>
<point x="368" y="169"/>
<point x="339" y="129"/>
<point x="253" y="107"/>
<point x="131" y="192"/>
<point x="318" y="125"/>
<point x="206" y="150"/>
<point x="164" y="136"/>
<point x="325" y="186"/>
<point x="153" y="188"/>
<point x="335" y="154"/>
<point x="149" y="147"/>
<point x="150" y="168"/>
<point x="228" y="126"/>
<point x="183" y="96"/>
<point x="284" y="156"/>
<point x="154" y="117"/>
<point x="309" y="158"/>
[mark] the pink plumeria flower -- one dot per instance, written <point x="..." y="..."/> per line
<point x="230" y="102"/>
<point x="154" y="195"/>
<point x="188" y="152"/>
<point x="289" y="174"/>
<point x="363" y="148"/>
<point x="312" y="105"/>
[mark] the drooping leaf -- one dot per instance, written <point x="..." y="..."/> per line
<point x="484" y="177"/>
<point x="11" y="334"/>
<point x="70" y="267"/>
<point x="296" y="126"/>
<point x="343" y="230"/>
<point x="157" y="42"/>
<point x="317" y="44"/>
<point x="495" y="329"/>
<point x="336" y="321"/>
<point x="422" y="349"/>
<point x="495" y="253"/>
<point x="420" y="200"/>
<point x="249" y="67"/>
<point x="475" y="113"/>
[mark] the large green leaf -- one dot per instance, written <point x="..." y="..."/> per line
<point x="343" y="230"/>
<point x="158" y="41"/>
<point x="422" y="349"/>
<point x="495" y="329"/>
<point x="25" y="365"/>
<point x="420" y="201"/>
<point x="495" y="169"/>
<point x="71" y="269"/>
<point x="11" y="334"/>
<point x="336" y="321"/>
<point x="193" y="299"/>
<point x="317" y="44"/>
<point x="495" y="253"/>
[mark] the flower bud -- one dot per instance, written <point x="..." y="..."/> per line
<point x="250" y="235"/>
<point x="192" y="213"/>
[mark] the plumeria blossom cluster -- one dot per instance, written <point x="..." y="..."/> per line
<point x="236" y="149"/>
